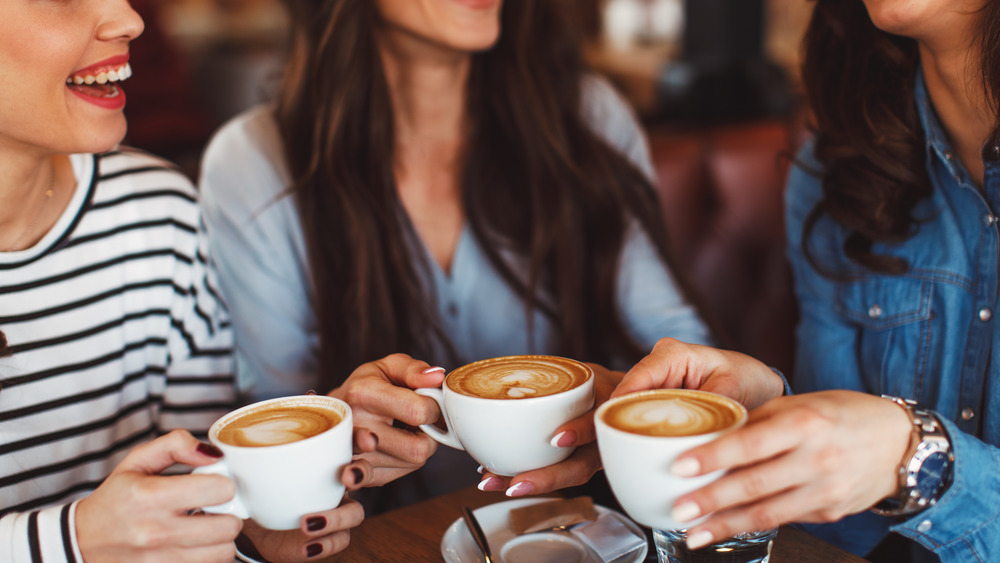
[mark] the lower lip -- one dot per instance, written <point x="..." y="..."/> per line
<point x="117" y="102"/>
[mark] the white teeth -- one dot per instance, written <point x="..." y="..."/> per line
<point x="116" y="75"/>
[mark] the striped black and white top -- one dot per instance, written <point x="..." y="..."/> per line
<point x="118" y="335"/>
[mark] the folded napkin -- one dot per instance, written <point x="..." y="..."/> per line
<point x="606" y="534"/>
<point x="610" y="538"/>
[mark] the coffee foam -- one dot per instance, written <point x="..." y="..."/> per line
<point x="518" y="377"/>
<point x="676" y="413"/>
<point x="276" y="425"/>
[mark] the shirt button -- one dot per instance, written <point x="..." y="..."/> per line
<point x="989" y="219"/>
<point x="875" y="311"/>
<point x="925" y="526"/>
<point x="948" y="155"/>
<point x="985" y="314"/>
<point x="967" y="414"/>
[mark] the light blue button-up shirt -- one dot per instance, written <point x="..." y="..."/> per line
<point x="927" y="335"/>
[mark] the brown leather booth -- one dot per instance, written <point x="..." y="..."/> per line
<point x="721" y="189"/>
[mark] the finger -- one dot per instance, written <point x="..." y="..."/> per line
<point x="409" y="447"/>
<point x="578" y="431"/>
<point x="180" y="493"/>
<point x="179" y="446"/>
<point x="577" y="469"/>
<point x="763" y="437"/>
<point x="379" y="397"/>
<point x="667" y="366"/>
<point x="743" y="486"/>
<point x="364" y="440"/>
<point x="219" y="552"/>
<point x="762" y="515"/>
<point x="348" y="515"/>
<point x="403" y="370"/>
<point x="326" y="545"/>
<point x="357" y="474"/>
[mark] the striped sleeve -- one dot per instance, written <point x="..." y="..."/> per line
<point x="42" y="535"/>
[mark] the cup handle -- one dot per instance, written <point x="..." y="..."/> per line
<point x="236" y="507"/>
<point x="446" y="437"/>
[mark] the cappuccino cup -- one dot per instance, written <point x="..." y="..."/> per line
<point x="639" y="437"/>
<point x="505" y="411"/>
<point x="285" y="456"/>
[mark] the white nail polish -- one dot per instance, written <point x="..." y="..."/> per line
<point x="555" y="439"/>
<point x="429" y="371"/>
<point x="687" y="467"/>
<point x="699" y="539"/>
<point x="482" y="484"/>
<point x="523" y="487"/>
<point x="479" y="470"/>
<point x="685" y="512"/>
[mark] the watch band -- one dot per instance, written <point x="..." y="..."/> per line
<point x="925" y="471"/>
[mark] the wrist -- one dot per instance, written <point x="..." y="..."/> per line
<point x="924" y="472"/>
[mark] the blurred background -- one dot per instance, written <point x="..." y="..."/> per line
<point x="714" y="82"/>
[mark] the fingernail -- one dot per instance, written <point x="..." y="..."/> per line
<point x="685" y="511"/>
<point x="686" y="467"/>
<point x="316" y="523"/>
<point x="358" y="475"/>
<point x="209" y="450"/>
<point x="520" y="489"/>
<point x="490" y="484"/>
<point x="699" y="539"/>
<point x="479" y="470"/>
<point x="564" y="439"/>
<point x="313" y="549"/>
<point x="429" y="371"/>
<point x="310" y="392"/>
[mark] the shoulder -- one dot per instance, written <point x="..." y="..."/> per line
<point x="132" y="176"/>
<point x="243" y="168"/>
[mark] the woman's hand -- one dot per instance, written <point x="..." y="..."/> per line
<point x="676" y="365"/>
<point x="381" y="393"/>
<point x="324" y="533"/>
<point x="138" y="515"/>
<point x="815" y="457"/>
<point x="580" y="466"/>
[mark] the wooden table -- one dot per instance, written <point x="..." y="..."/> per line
<point x="413" y="534"/>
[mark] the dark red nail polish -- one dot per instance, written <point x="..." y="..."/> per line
<point x="316" y="523"/>
<point x="209" y="450"/>
<point x="314" y="549"/>
<point x="358" y="475"/>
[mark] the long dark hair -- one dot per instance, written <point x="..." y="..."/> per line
<point x="536" y="182"/>
<point x="859" y="82"/>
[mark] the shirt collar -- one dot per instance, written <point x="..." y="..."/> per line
<point x="937" y="141"/>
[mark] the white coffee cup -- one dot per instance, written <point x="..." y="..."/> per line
<point x="512" y="435"/>
<point x="276" y="485"/>
<point x="637" y="464"/>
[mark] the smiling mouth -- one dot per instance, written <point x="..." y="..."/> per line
<point x="100" y="83"/>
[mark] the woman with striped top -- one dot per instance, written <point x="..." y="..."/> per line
<point x="112" y="334"/>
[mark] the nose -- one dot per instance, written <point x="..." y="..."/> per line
<point x="120" y="21"/>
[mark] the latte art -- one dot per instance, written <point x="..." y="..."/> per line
<point x="673" y="413"/>
<point x="518" y="377"/>
<point x="277" y="425"/>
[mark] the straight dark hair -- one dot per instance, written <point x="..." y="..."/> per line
<point x="859" y="82"/>
<point x="536" y="182"/>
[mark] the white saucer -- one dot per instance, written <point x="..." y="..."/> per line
<point x="457" y="545"/>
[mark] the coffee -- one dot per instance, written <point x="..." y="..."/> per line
<point x="672" y="412"/>
<point x="518" y="377"/>
<point x="277" y="424"/>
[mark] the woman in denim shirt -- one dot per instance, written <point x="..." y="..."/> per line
<point x="892" y="214"/>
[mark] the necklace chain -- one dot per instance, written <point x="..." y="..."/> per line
<point x="38" y="215"/>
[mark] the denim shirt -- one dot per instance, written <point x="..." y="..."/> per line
<point x="927" y="335"/>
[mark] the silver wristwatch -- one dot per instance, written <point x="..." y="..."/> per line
<point x="925" y="473"/>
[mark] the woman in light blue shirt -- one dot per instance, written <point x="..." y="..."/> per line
<point x="892" y="227"/>
<point x="429" y="185"/>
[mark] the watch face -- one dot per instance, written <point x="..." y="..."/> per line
<point x="931" y="476"/>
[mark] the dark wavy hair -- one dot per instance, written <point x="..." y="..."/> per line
<point x="536" y="181"/>
<point x="859" y="83"/>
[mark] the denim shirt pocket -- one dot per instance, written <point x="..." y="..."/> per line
<point x="892" y="316"/>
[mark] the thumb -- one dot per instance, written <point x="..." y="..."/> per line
<point x="179" y="446"/>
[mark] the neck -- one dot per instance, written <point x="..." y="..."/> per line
<point x="428" y="87"/>
<point x="955" y="86"/>
<point x="26" y="212"/>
